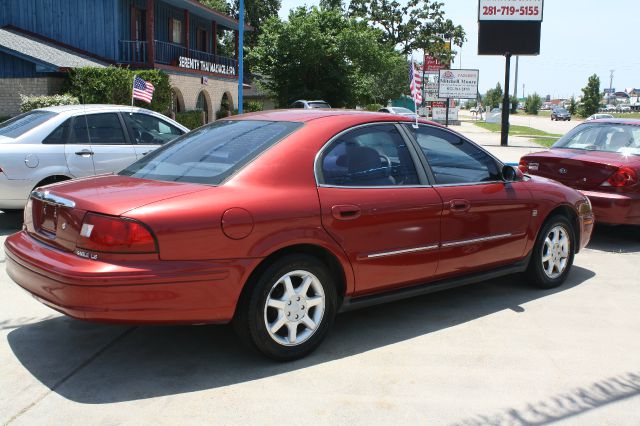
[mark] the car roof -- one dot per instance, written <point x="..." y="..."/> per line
<point x="306" y="115"/>
<point x="92" y="107"/>
<point x="632" y="121"/>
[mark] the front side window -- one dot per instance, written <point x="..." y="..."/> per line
<point x="369" y="156"/>
<point x="146" y="129"/>
<point x="21" y="124"/>
<point x="212" y="153"/>
<point x="454" y="160"/>
<point x="620" y="138"/>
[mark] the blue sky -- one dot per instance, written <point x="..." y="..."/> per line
<point x="579" y="38"/>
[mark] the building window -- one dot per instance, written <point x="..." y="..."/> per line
<point x="175" y="30"/>
<point x="138" y="24"/>
<point x="201" y="40"/>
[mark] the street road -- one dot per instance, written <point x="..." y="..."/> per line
<point x="496" y="353"/>
<point x="544" y="123"/>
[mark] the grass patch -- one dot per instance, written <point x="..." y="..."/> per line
<point x="542" y="113"/>
<point x="625" y="114"/>
<point x="538" y="136"/>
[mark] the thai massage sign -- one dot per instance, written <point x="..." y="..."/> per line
<point x="458" y="84"/>
<point x="197" y="64"/>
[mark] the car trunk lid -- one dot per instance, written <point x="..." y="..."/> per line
<point x="55" y="213"/>
<point x="575" y="168"/>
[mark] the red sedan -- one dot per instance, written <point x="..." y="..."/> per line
<point x="601" y="158"/>
<point x="277" y="221"/>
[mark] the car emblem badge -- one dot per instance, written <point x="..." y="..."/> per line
<point x="64" y="225"/>
<point x="563" y="171"/>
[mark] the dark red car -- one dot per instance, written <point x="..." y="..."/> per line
<point x="279" y="220"/>
<point x="601" y="158"/>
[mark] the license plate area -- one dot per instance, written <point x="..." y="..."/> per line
<point x="46" y="218"/>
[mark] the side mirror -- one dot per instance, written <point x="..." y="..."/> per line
<point x="512" y="174"/>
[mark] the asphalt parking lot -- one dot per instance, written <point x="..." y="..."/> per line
<point x="495" y="353"/>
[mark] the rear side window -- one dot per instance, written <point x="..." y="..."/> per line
<point x="21" y="124"/>
<point x="105" y="129"/>
<point x="60" y="134"/>
<point x="369" y="157"/>
<point x="211" y="153"/>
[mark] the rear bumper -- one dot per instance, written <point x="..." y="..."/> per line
<point x="126" y="292"/>
<point x="619" y="209"/>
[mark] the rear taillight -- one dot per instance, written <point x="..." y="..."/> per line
<point x="109" y="234"/>
<point x="524" y="168"/>
<point x="624" y="176"/>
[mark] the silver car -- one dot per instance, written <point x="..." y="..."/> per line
<point x="53" y="144"/>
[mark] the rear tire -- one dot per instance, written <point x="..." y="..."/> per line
<point x="553" y="253"/>
<point x="289" y="310"/>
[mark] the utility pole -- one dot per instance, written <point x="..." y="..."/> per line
<point x="610" y="86"/>
<point x="515" y="87"/>
<point x="504" y="137"/>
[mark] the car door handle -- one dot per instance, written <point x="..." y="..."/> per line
<point x="459" y="206"/>
<point x="84" y="153"/>
<point x="146" y="152"/>
<point x="346" y="212"/>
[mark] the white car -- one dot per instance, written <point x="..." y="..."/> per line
<point x="599" y="116"/>
<point x="53" y="144"/>
<point x="624" y="108"/>
<point x="398" y="111"/>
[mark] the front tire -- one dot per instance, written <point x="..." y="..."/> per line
<point x="553" y="254"/>
<point x="289" y="310"/>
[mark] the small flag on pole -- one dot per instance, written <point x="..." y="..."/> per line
<point x="142" y="90"/>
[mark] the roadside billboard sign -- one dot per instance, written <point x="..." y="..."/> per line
<point x="511" y="10"/>
<point x="431" y="88"/>
<point x="458" y="84"/>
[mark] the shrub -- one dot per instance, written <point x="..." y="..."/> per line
<point x="113" y="85"/>
<point x="252" y="106"/>
<point x="190" y="119"/>
<point x="372" y="107"/>
<point x="27" y="103"/>
<point x="532" y="104"/>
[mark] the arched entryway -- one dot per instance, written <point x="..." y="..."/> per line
<point x="203" y="105"/>
<point x="226" y="105"/>
<point x="177" y="101"/>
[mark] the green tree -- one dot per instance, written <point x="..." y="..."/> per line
<point x="321" y="54"/>
<point x="418" y="24"/>
<point x="532" y="104"/>
<point x="573" y="106"/>
<point x="493" y="97"/>
<point x="514" y="104"/>
<point x="220" y="5"/>
<point x="591" y="97"/>
<point x="332" y="4"/>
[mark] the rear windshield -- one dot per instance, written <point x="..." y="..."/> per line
<point x="21" y="124"/>
<point x="608" y="137"/>
<point x="211" y="153"/>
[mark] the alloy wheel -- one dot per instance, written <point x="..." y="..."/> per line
<point x="555" y="252"/>
<point x="294" y="308"/>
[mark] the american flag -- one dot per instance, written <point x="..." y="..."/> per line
<point x="142" y="90"/>
<point x="415" y="84"/>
